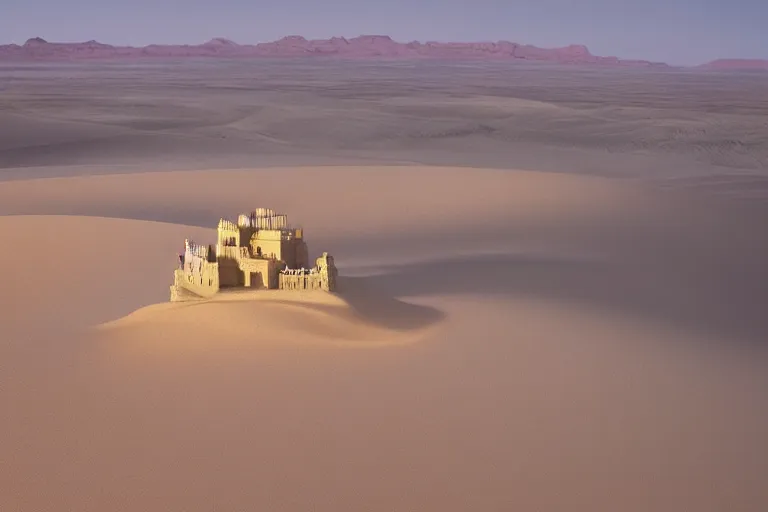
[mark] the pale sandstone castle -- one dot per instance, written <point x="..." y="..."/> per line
<point x="260" y="251"/>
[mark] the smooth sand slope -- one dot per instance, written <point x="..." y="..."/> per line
<point x="503" y="340"/>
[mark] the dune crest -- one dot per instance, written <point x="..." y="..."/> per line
<point x="357" y="318"/>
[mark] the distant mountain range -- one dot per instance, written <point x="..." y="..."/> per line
<point x="736" y="65"/>
<point x="363" y="47"/>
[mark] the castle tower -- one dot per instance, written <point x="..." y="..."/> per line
<point x="328" y="272"/>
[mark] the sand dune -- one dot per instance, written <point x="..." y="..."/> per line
<point x="365" y="319"/>
<point x="509" y="340"/>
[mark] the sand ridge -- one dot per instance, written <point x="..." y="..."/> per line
<point x="274" y="317"/>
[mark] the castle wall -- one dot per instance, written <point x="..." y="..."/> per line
<point x="269" y="234"/>
<point x="232" y="253"/>
<point x="301" y="253"/>
<point x="230" y="274"/>
<point x="201" y="280"/>
<point x="267" y="248"/>
<point x="303" y="282"/>
<point x="262" y="273"/>
<point x="307" y="281"/>
<point x="181" y="294"/>
<point x="293" y="252"/>
<point x="321" y="277"/>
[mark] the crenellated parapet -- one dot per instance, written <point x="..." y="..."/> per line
<point x="263" y="218"/>
<point x="227" y="234"/>
<point x="226" y="225"/>
<point x="321" y="277"/>
<point x="196" y="250"/>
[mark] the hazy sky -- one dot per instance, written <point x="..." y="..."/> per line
<point x="674" y="31"/>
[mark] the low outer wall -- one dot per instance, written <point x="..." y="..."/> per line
<point x="318" y="281"/>
<point x="191" y="282"/>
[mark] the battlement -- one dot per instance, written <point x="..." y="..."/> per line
<point x="227" y="225"/>
<point x="263" y="218"/>
<point x="321" y="277"/>
<point x="232" y="252"/>
<point x="193" y="249"/>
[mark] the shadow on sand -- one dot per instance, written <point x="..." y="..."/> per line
<point x="729" y="309"/>
<point x="357" y="310"/>
<point x="381" y="308"/>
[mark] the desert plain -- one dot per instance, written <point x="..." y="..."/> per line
<point x="553" y="288"/>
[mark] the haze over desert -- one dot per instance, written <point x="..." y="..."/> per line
<point x="552" y="289"/>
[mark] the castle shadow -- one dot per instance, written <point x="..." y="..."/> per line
<point x="719" y="307"/>
<point x="379" y="307"/>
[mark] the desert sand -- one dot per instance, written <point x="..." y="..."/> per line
<point x="680" y="128"/>
<point x="502" y="340"/>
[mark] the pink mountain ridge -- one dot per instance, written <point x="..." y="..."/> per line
<point x="365" y="46"/>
